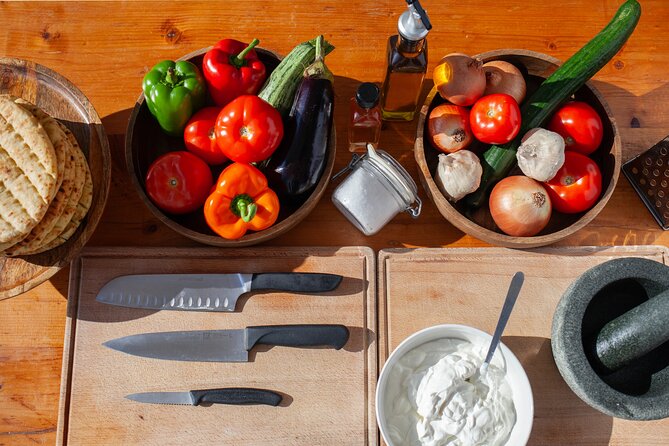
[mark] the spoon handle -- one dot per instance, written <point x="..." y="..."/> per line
<point x="511" y="296"/>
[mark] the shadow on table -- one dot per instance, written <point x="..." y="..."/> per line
<point x="560" y="417"/>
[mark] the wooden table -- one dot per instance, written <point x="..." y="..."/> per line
<point x="105" y="49"/>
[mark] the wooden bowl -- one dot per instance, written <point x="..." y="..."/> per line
<point x="535" y="67"/>
<point x="65" y="102"/>
<point x="145" y="142"/>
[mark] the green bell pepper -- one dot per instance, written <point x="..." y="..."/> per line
<point x="173" y="92"/>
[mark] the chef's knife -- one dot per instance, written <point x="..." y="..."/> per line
<point x="229" y="395"/>
<point x="205" y="292"/>
<point x="228" y="345"/>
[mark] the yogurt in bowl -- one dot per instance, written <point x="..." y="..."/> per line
<point x="430" y="392"/>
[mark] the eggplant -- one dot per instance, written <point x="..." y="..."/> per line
<point x="297" y="165"/>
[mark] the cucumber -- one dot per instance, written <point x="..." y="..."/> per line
<point x="279" y="89"/>
<point x="565" y="81"/>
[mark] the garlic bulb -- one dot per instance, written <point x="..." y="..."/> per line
<point x="458" y="174"/>
<point x="541" y="154"/>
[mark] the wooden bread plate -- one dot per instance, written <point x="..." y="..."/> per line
<point x="424" y="287"/>
<point x="328" y="395"/>
<point x="66" y="103"/>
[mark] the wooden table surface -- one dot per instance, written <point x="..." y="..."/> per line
<point x="106" y="47"/>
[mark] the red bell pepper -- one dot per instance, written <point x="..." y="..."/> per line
<point x="231" y="69"/>
<point x="248" y="129"/>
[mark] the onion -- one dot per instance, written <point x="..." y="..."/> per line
<point x="459" y="79"/>
<point x="449" y="128"/>
<point x="504" y="77"/>
<point x="520" y="206"/>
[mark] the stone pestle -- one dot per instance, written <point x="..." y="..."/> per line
<point x="634" y="333"/>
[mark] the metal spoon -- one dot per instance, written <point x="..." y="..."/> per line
<point x="511" y="296"/>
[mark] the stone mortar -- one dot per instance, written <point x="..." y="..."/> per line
<point x="639" y="391"/>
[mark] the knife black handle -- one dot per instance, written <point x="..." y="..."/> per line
<point x="334" y="336"/>
<point x="295" y="282"/>
<point x="237" y="396"/>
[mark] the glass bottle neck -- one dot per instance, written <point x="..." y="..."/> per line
<point x="410" y="48"/>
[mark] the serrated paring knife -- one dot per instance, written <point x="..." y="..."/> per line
<point x="228" y="395"/>
<point x="205" y="292"/>
<point x="228" y="345"/>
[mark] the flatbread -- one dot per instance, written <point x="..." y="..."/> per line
<point x="75" y="211"/>
<point x="69" y="183"/>
<point x="32" y="108"/>
<point x="28" y="172"/>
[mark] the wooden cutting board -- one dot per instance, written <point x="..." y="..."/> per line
<point x="424" y="287"/>
<point x="328" y="394"/>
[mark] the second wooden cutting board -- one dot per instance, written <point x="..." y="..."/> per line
<point x="328" y="394"/>
<point x="424" y="287"/>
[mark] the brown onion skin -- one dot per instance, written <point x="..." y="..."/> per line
<point x="449" y="128"/>
<point x="504" y="77"/>
<point x="467" y="81"/>
<point x="520" y="206"/>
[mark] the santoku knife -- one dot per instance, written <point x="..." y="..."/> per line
<point x="205" y="292"/>
<point x="229" y="395"/>
<point x="228" y="345"/>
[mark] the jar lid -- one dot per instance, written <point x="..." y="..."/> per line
<point x="367" y="95"/>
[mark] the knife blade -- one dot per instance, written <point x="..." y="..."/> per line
<point x="227" y="395"/>
<point x="227" y="345"/>
<point x="205" y="292"/>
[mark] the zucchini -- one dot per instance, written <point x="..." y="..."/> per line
<point x="565" y="81"/>
<point x="279" y="89"/>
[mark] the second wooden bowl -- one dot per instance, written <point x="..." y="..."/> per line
<point x="145" y="142"/>
<point x="535" y="67"/>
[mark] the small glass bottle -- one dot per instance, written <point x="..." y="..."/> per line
<point x="406" y="64"/>
<point x="365" y="124"/>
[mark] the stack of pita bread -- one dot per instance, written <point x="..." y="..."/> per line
<point x="45" y="183"/>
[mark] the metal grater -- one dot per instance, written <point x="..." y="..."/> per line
<point x="649" y="175"/>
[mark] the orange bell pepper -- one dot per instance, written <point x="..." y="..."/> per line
<point x="241" y="201"/>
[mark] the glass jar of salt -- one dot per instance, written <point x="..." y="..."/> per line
<point x="377" y="189"/>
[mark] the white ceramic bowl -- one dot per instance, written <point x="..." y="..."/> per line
<point x="515" y="375"/>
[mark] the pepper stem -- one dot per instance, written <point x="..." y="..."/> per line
<point x="171" y="76"/>
<point x="238" y="60"/>
<point x="244" y="207"/>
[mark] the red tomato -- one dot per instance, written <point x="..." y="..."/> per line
<point x="495" y="118"/>
<point x="178" y="182"/>
<point x="579" y="125"/>
<point x="576" y="186"/>
<point x="248" y="129"/>
<point x="200" y="138"/>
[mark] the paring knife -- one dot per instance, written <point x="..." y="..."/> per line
<point x="228" y="345"/>
<point x="205" y="292"/>
<point x="229" y="395"/>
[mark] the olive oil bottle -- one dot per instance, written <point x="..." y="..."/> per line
<point x="406" y="64"/>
